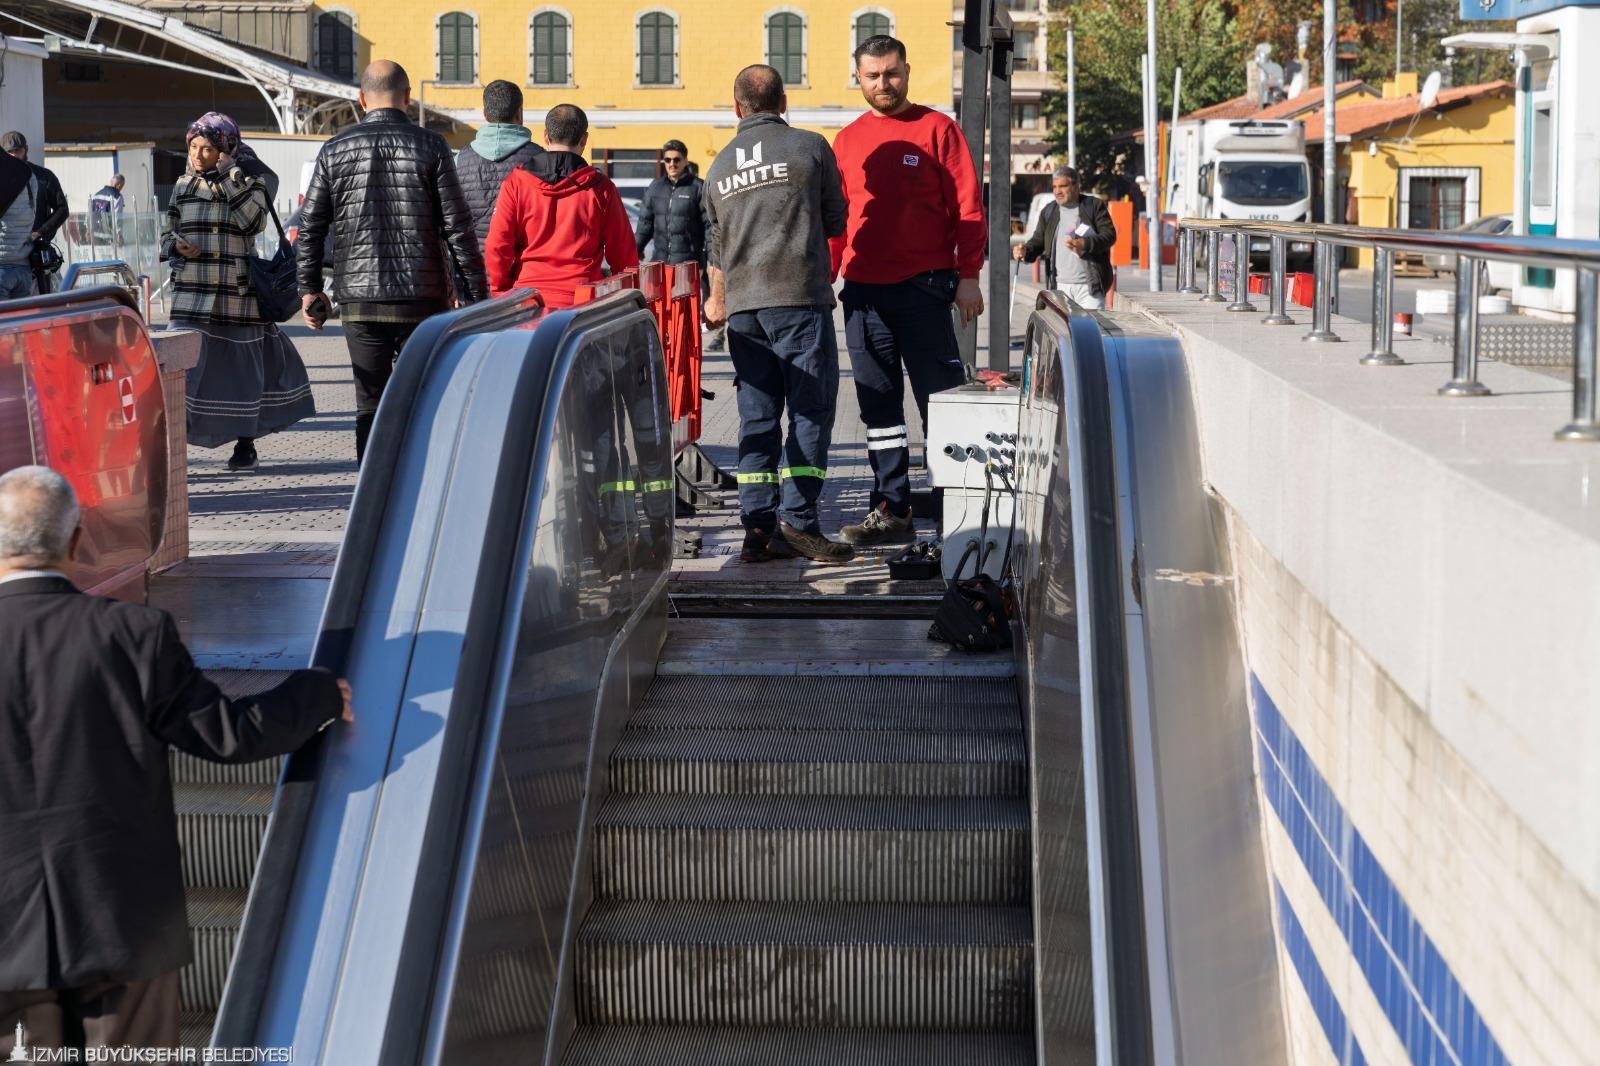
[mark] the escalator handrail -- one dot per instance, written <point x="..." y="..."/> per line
<point x="69" y="299"/>
<point x="1079" y="343"/>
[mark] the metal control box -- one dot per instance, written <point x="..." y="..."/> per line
<point x="968" y="428"/>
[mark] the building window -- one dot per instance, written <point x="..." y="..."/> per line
<point x="336" y="44"/>
<point x="1022" y="49"/>
<point x="658" y="48"/>
<point x="1438" y="197"/>
<point x="873" y="24"/>
<point x="71" y="71"/>
<point x="786" y="46"/>
<point x="458" y="48"/>
<point x="1025" y="116"/>
<point x="550" y="48"/>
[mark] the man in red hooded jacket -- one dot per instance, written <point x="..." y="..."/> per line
<point x="557" y="218"/>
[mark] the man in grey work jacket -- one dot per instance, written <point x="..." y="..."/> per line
<point x="773" y="199"/>
<point x="1074" y="236"/>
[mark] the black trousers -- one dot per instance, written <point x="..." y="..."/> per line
<point x="130" y="1014"/>
<point x="374" y="346"/>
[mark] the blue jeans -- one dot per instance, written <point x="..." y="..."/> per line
<point x="16" y="281"/>
<point x="784" y="356"/>
<point x="888" y="327"/>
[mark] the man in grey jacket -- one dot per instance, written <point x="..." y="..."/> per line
<point x="772" y="200"/>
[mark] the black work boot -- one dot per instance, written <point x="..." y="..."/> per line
<point x="244" y="455"/>
<point x="881" y="526"/>
<point x="762" y="547"/>
<point x="814" y="546"/>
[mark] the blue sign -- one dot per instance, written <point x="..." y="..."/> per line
<point x="1499" y="10"/>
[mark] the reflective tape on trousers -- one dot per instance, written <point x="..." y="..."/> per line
<point x="803" y="471"/>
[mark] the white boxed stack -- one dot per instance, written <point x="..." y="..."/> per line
<point x="970" y="429"/>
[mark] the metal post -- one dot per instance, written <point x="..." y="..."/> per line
<point x="1186" y="250"/>
<point x="1072" y="99"/>
<point x="974" y="123"/>
<point x="1277" y="295"/>
<point x="1000" y="52"/>
<point x="144" y="296"/>
<point x="1584" y="424"/>
<point x="1382" y="353"/>
<point x="1330" y="61"/>
<point x="1322" y="301"/>
<point x="1464" y="380"/>
<point x="1241" y="272"/>
<point x="1213" y="266"/>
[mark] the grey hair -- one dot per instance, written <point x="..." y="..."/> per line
<point x="38" y="515"/>
<point x="1064" y="172"/>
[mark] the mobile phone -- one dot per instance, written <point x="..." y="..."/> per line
<point x="320" y="309"/>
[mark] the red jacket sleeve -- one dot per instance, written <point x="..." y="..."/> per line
<point x="621" y="251"/>
<point x="500" y="247"/>
<point x="837" y="245"/>
<point x="967" y="193"/>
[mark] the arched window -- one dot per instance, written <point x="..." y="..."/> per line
<point x="550" y="48"/>
<point x="458" y="48"/>
<point x="336" y="44"/>
<point x="786" y="46"/>
<point x="870" y="24"/>
<point x="658" y="48"/>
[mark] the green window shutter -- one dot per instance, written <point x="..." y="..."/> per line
<point x="786" y="47"/>
<point x="550" y="49"/>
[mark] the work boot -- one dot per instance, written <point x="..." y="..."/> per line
<point x="881" y="526"/>
<point x="762" y="547"/>
<point x="814" y="545"/>
<point x="243" y="458"/>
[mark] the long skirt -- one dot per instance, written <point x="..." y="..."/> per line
<point x="249" y="382"/>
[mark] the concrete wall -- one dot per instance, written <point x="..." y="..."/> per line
<point x="22" y="102"/>
<point x="1416" y="582"/>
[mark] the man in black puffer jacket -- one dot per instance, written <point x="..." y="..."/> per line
<point x="673" y="215"/>
<point x="502" y="144"/>
<point x="386" y="190"/>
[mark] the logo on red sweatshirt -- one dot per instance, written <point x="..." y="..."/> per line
<point x="910" y="160"/>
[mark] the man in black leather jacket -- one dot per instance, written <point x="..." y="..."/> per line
<point x="387" y="192"/>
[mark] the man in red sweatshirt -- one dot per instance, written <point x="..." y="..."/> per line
<point x="557" y="218"/>
<point x="914" y="246"/>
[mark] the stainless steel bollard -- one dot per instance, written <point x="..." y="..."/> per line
<point x="1277" y="284"/>
<point x="1186" y="262"/>
<point x="1382" y="353"/>
<point x="1586" y="335"/>
<point x="1213" y="266"/>
<point x="1241" y="272"/>
<point x="1464" y="371"/>
<point x="1322" y="302"/>
<point x="144" y="296"/>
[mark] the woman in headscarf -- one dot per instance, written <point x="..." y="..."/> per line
<point x="249" y="381"/>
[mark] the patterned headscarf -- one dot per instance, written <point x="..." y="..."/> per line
<point x="219" y="129"/>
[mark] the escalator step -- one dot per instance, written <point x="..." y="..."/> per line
<point x="823" y="848"/>
<point x="220" y="829"/>
<point x="881" y="966"/>
<point x="788" y="702"/>
<point x="820" y="762"/>
<point x="189" y="770"/>
<point x="214" y="917"/>
<point x="649" y="1045"/>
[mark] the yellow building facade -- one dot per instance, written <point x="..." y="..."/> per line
<point x="644" y="72"/>
<point x="1411" y="167"/>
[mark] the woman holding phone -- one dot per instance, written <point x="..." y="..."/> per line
<point x="249" y="381"/>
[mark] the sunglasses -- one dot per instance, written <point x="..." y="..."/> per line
<point x="672" y="159"/>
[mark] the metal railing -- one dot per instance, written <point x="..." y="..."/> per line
<point x="1472" y="252"/>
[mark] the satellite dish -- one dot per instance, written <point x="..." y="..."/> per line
<point x="1430" y="91"/>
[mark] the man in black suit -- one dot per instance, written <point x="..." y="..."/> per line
<point x="1074" y="237"/>
<point x="92" y="694"/>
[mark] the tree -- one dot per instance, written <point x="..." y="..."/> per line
<point x="1198" y="35"/>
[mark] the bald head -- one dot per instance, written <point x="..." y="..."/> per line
<point x="38" y="516"/>
<point x="385" y="84"/>
<point x="757" y="89"/>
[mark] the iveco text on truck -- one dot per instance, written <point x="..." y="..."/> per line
<point x="1243" y="169"/>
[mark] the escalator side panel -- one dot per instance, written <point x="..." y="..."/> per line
<point x="1211" y="896"/>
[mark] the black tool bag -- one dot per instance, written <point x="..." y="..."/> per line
<point x="972" y="616"/>
<point x="277" y="291"/>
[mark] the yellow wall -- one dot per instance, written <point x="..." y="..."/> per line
<point x="716" y="39"/>
<point x="1480" y="134"/>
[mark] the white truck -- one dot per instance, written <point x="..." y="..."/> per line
<point x="1245" y="169"/>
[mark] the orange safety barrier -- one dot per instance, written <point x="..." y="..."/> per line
<point x="1302" y="287"/>
<point x="682" y="340"/>
<point x="1122" y="218"/>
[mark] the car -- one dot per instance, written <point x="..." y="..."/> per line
<point x="1501" y="275"/>
<point x="1031" y="223"/>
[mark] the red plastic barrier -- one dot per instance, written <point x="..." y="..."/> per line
<point x="80" y="391"/>
<point x="1301" y="287"/>
<point x="682" y="340"/>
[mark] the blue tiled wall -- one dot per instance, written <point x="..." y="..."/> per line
<point x="1323" y="998"/>
<point x="1431" y="1013"/>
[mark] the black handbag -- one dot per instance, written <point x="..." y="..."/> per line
<point x="277" y="290"/>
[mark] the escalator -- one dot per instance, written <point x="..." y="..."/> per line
<point x="568" y="828"/>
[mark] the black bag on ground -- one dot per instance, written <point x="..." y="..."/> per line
<point x="277" y="290"/>
<point x="972" y="615"/>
